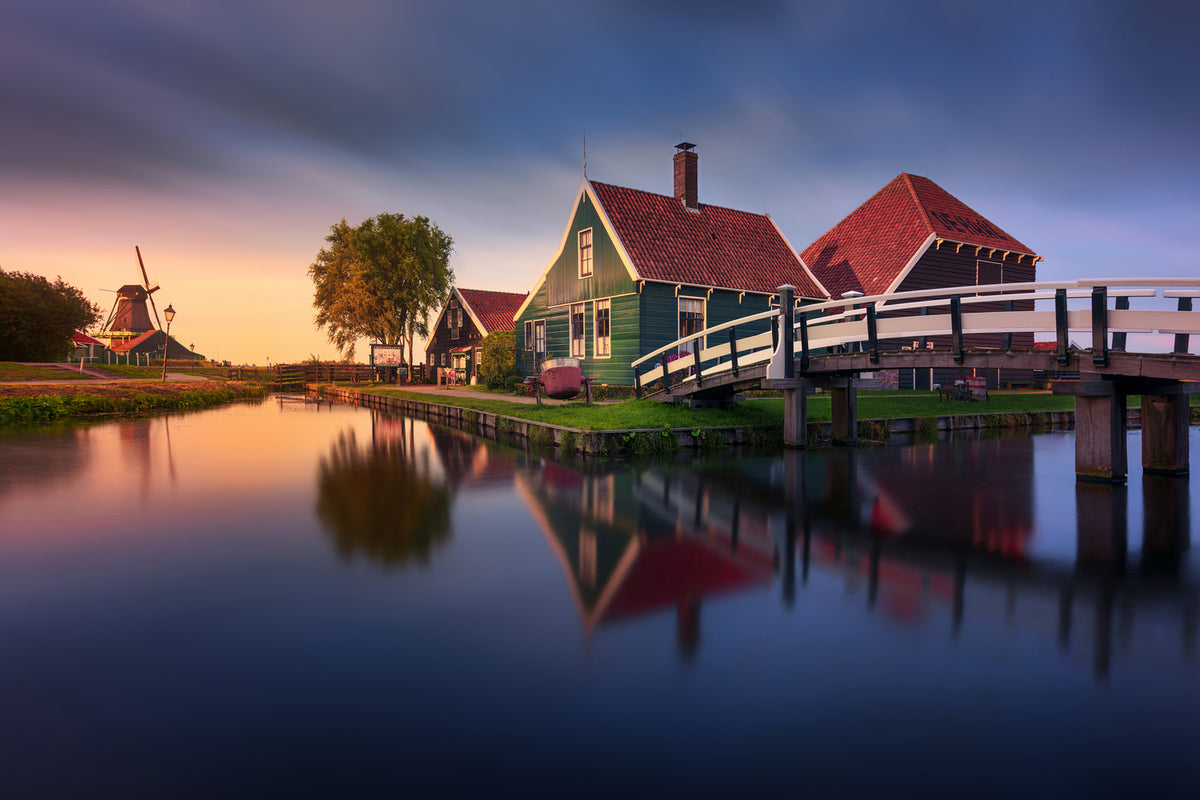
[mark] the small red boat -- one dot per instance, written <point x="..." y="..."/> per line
<point x="562" y="378"/>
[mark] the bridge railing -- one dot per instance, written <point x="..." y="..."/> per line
<point x="868" y="321"/>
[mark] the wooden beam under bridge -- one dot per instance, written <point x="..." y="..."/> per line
<point x="1101" y="427"/>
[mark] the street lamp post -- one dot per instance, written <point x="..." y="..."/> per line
<point x="169" y="313"/>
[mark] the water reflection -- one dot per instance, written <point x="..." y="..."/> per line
<point x="381" y="499"/>
<point x="628" y="550"/>
<point x="751" y="624"/>
<point x="912" y="529"/>
<point x="390" y="499"/>
<point x="41" y="456"/>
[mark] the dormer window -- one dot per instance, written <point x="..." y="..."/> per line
<point x="585" y="253"/>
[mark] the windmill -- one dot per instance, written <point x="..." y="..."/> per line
<point x="129" y="317"/>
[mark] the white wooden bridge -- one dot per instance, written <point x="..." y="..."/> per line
<point x="830" y="343"/>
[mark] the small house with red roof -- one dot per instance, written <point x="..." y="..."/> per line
<point x="151" y="344"/>
<point x="456" y="339"/>
<point x="914" y="235"/>
<point x="637" y="270"/>
<point x="84" y="346"/>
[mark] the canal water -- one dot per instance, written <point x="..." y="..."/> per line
<point x="298" y="599"/>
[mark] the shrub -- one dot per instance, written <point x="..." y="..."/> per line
<point x="498" y="360"/>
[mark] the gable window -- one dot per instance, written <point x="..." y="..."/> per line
<point x="602" y="314"/>
<point x="585" y="253"/>
<point x="455" y="319"/>
<point x="578" y="348"/>
<point x="528" y="334"/>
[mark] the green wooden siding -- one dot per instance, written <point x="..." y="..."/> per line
<point x="660" y="313"/>
<point x="609" y="275"/>
<point x="623" y="339"/>
<point x="563" y="287"/>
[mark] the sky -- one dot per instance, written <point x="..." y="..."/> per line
<point x="225" y="137"/>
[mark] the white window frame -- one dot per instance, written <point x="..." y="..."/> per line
<point x="686" y="347"/>
<point x="581" y="339"/>
<point x="601" y="345"/>
<point x="585" y="251"/>
<point x="529" y="334"/>
<point x="539" y="336"/>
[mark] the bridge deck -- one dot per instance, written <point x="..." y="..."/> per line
<point x="1131" y="366"/>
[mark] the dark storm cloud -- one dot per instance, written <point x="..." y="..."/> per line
<point x="137" y="91"/>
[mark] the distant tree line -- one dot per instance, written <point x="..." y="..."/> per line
<point x="37" y="317"/>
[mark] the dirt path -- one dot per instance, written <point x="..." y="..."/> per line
<point x="450" y="392"/>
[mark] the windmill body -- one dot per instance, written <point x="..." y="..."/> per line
<point x="130" y="316"/>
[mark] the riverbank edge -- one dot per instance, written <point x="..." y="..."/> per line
<point x="126" y="401"/>
<point x="635" y="441"/>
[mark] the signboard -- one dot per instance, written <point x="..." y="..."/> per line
<point x="387" y="355"/>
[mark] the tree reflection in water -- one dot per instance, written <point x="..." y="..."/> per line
<point x="380" y="501"/>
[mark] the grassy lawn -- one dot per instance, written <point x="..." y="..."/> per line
<point x="617" y="416"/>
<point x="11" y="371"/>
<point x="752" y="412"/>
<point x="128" y="371"/>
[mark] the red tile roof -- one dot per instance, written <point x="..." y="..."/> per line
<point x="710" y="246"/>
<point x="128" y="344"/>
<point x="83" y="339"/>
<point x="494" y="310"/>
<point x="868" y="249"/>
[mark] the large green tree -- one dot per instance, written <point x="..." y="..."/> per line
<point x="380" y="280"/>
<point x="37" y="317"/>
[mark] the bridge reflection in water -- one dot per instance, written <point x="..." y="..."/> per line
<point x="913" y="529"/>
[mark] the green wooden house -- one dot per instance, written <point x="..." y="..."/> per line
<point x="637" y="270"/>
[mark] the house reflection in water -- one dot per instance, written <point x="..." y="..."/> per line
<point x="920" y="530"/>
<point x="635" y="543"/>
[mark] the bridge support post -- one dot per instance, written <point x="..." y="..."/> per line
<point x="795" y="416"/>
<point x="795" y="409"/>
<point x="1099" y="429"/>
<point x="843" y="398"/>
<point x="1165" y="433"/>
<point x="1100" y="438"/>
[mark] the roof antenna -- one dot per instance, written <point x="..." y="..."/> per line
<point x="585" y="152"/>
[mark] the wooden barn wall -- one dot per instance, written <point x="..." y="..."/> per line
<point x="941" y="268"/>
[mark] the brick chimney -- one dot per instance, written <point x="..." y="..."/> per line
<point x="685" y="175"/>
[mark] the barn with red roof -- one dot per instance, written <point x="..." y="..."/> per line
<point x="914" y="235"/>
<point x="636" y="270"/>
<point x="456" y="339"/>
